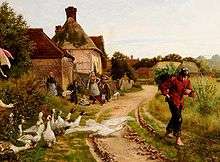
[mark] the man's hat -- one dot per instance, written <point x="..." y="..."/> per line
<point x="184" y="71"/>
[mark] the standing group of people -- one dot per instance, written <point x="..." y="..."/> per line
<point x="98" y="88"/>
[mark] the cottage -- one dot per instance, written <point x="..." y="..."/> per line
<point x="48" y="57"/>
<point x="72" y="38"/>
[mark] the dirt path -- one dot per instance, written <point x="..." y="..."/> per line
<point x="122" y="149"/>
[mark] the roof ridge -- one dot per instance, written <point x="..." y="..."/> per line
<point x="54" y="45"/>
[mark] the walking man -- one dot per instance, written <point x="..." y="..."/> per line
<point x="174" y="89"/>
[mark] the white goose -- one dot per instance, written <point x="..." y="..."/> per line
<point x="28" y="138"/>
<point x="69" y="114"/>
<point x="20" y="126"/>
<point x="53" y="119"/>
<point x="34" y="128"/>
<point x="96" y="128"/>
<point x="41" y="128"/>
<point x="22" y="148"/>
<point x="101" y="129"/>
<point x="48" y="134"/>
<point x="76" y="122"/>
<point x="59" y="123"/>
<point x="9" y="146"/>
<point x="117" y="121"/>
<point x="106" y="131"/>
<point x="91" y="126"/>
<point x="2" y="104"/>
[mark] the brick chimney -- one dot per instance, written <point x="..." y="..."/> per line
<point x="71" y="12"/>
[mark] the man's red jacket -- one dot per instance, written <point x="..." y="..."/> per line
<point x="175" y="88"/>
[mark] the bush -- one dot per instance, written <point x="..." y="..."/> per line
<point x="120" y="67"/>
<point x="161" y="74"/>
<point x="27" y="93"/>
<point x="206" y="90"/>
<point x="13" y="37"/>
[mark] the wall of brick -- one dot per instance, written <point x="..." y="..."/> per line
<point x="42" y="67"/>
<point x="67" y="72"/>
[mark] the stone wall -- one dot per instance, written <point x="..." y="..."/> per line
<point x="42" y="67"/>
<point x="67" y="72"/>
<point x="63" y="70"/>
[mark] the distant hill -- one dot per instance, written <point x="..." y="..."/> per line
<point x="214" y="62"/>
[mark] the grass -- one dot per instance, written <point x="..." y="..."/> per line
<point x="200" y="131"/>
<point x="196" y="148"/>
<point x="166" y="147"/>
<point x="104" y="115"/>
<point x="34" y="155"/>
<point x="72" y="147"/>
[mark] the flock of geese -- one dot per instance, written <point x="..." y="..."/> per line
<point x="56" y="126"/>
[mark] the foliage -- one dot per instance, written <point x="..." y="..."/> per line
<point x="205" y="88"/>
<point x="28" y="96"/>
<point x="13" y="38"/>
<point x="172" y="57"/>
<point x="201" y="122"/>
<point x="202" y="112"/>
<point x="162" y="74"/>
<point x="121" y="67"/>
<point x="146" y="63"/>
<point x="204" y="66"/>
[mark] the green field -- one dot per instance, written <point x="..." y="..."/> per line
<point x="201" y="124"/>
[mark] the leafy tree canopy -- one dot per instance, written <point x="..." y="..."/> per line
<point x="13" y="38"/>
<point x="121" y="67"/>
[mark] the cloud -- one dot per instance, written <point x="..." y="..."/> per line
<point x="140" y="27"/>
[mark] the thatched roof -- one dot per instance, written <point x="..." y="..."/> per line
<point x="72" y="35"/>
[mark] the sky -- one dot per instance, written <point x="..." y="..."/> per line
<point x="142" y="28"/>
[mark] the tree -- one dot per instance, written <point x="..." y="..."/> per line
<point x="172" y="57"/>
<point x="205" y="68"/>
<point x="121" y="67"/>
<point x="145" y="62"/>
<point x="13" y="38"/>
